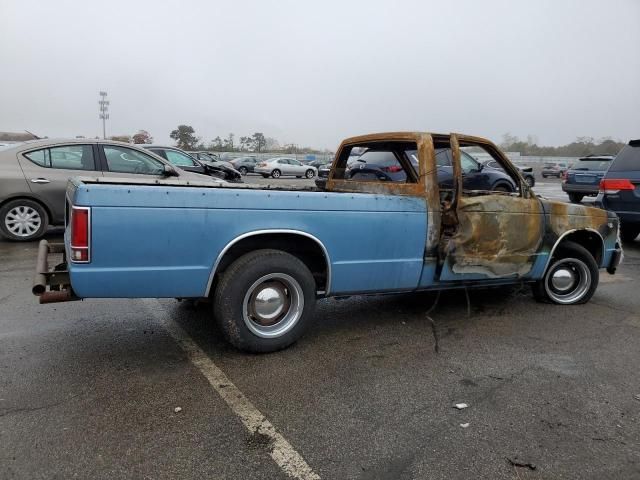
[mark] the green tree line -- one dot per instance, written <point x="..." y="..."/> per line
<point x="582" y="146"/>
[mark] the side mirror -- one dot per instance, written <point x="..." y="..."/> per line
<point x="480" y="167"/>
<point x="169" y="171"/>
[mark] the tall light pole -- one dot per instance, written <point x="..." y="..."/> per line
<point x="104" y="116"/>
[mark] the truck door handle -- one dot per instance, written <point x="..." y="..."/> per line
<point x="40" y="180"/>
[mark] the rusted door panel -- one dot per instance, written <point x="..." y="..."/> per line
<point x="497" y="236"/>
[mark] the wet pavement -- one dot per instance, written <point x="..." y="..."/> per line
<point x="88" y="389"/>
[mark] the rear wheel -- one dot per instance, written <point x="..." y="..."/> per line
<point x="629" y="231"/>
<point x="23" y="220"/>
<point x="572" y="276"/>
<point x="502" y="188"/>
<point x="264" y="301"/>
<point x="276" y="173"/>
<point x="576" y="197"/>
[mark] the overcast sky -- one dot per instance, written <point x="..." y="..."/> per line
<point x="313" y="72"/>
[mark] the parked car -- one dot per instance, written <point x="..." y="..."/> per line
<point x="184" y="160"/>
<point x="526" y="172"/>
<point x="385" y="166"/>
<point x="620" y="189"/>
<point x="210" y="157"/>
<point x="583" y="178"/>
<point x="263" y="256"/>
<point x="278" y="166"/>
<point x="318" y="163"/>
<point x="554" y="169"/>
<point x="246" y="164"/>
<point x="34" y="175"/>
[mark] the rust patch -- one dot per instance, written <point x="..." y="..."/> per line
<point x="567" y="216"/>
<point x="497" y="235"/>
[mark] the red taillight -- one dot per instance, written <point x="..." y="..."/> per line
<point x="392" y="169"/>
<point x="612" y="186"/>
<point x="80" y="234"/>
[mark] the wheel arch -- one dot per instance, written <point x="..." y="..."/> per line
<point x="588" y="238"/>
<point x="305" y="246"/>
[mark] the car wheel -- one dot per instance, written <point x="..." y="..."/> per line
<point x="310" y="173"/>
<point x="575" y="197"/>
<point x="243" y="170"/>
<point x="264" y="301"/>
<point x="544" y="176"/>
<point x="629" y="231"/>
<point x="530" y="181"/>
<point x="23" y="220"/>
<point x="502" y="188"/>
<point x="276" y="173"/>
<point x="572" y="276"/>
<point x="264" y="175"/>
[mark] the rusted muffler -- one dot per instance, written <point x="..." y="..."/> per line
<point x="57" y="296"/>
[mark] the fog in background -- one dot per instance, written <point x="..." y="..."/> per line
<point x="314" y="72"/>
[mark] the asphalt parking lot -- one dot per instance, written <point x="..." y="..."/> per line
<point x="90" y="389"/>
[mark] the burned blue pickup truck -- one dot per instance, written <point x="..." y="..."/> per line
<point x="262" y="254"/>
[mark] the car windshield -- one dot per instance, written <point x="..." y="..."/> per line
<point x="592" y="165"/>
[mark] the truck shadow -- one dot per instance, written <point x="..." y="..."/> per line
<point x="343" y="322"/>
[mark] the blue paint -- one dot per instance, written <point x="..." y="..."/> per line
<point x="163" y="242"/>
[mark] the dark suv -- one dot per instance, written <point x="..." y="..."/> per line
<point x="620" y="190"/>
<point x="583" y="178"/>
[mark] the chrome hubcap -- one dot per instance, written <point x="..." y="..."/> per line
<point x="563" y="279"/>
<point x="273" y="305"/>
<point x="22" y="221"/>
<point x="568" y="280"/>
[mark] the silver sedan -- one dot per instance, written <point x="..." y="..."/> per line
<point x="276" y="167"/>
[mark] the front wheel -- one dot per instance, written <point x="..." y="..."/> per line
<point x="530" y="181"/>
<point x="264" y="301"/>
<point x="243" y="170"/>
<point x="572" y="277"/>
<point x="310" y="173"/>
<point x="23" y="220"/>
<point x="276" y="173"/>
<point x="575" y="197"/>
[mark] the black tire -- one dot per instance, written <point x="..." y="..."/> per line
<point x="243" y="170"/>
<point x="11" y="213"/>
<point x="232" y="302"/>
<point x="276" y="173"/>
<point x="502" y="187"/>
<point x="309" y="173"/>
<point x="569" y="256"/>
<point x="531" y="181"/>
<point x="629" y="231"/>
<point x="576" y="197"/>
<point x="544" y="176"/>
<point x="264" y="175"/>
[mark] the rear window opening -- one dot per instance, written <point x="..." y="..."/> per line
<point x="628" y="159"/>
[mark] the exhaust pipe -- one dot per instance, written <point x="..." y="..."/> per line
<point x="40" y="279"/>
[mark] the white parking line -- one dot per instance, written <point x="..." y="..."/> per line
<point x="282" y="452"/>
